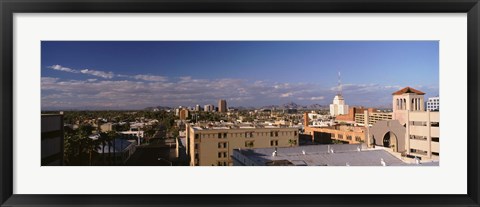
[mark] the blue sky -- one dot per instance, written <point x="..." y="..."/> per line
<point x="137" y="74"/>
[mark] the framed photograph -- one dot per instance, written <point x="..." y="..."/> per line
<point x="242" y="103"/>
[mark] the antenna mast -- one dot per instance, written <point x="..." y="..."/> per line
<point x="339" y="84"/>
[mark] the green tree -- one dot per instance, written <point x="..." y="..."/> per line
<point x="111" y="136"/>
<point x="103" y="140"/>
<point x="292" y="142"/>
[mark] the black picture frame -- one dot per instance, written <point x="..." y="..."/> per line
<point x="10" y="7"/>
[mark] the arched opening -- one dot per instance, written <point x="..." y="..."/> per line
<point x="390" y="141"/>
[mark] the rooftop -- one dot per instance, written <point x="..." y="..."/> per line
<point x="408" y="90"/>
<point x="318" y="155"/>
<point x="119" y="145"/>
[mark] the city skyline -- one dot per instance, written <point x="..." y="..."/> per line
<point x="133" y="75"/>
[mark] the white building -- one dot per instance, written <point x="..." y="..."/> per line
<point x="433" y="104"/>
<point x="209" y="108"/>
<point x="338" y="107"/>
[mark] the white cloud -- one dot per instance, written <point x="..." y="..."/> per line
<point x="61" y="68"/>
<point x="317" y="98"/>
<point x="150" y="78"/>
<point x="139" y="91"/>
<point x="284" y="95"/>
<point x="98" y="73"/>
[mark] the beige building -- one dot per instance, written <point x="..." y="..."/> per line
<point x="213" y="145"/>
<point x="413" y="131"/>
<point x="106" y="127"/>
<point x="222" y="105"/>
<point x="407" y="99"/>
<point x="372" y="117"/>
<point x="183" y="114"/>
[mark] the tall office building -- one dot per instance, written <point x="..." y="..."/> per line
<point x="52" y="139"/>
<point x="209" y="108"/>
<point x="183" y="114"/>
<point x="433" y="104"/>
<point x="338" y="107"/>
<point x="222" y="105"/>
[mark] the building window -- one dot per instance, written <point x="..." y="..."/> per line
<point x="271" y="134"/>
<point x="249" y="144"/>
<point x="219" y="155"/>
<point x="349" y="137"/>
<point x="196" y="146"/>
<point x="435" y="139"/>
<point x="434" y="124"/>
<point x="274" y="143"/>
<point x="340" y="136"/>
<point x="196" y="136"/>
<point x="436" y="153"/>
<point x="276" y="134"/>
<point x="418" y="123"/>
<point x="417" y="137"/>
<point x="222" y="145"/>
<point x="295" y="133"/>
<point x="416" y="151"/>
<point x="357" y="138"/>
<point x="224" y="135"/>
<point x="224" y="154"/>
<point x="219" y="135"/>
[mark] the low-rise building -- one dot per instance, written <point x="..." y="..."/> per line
<point x="373" y="117"/>
<point x="212" y="145"/>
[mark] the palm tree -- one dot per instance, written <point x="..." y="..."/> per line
<point x="89" y="146"/>
<point x="103" y="139"/>
<point x="111" y="135"/>
<point x="292" y="142"/>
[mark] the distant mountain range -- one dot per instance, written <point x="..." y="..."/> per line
<point x="293" y="105"/>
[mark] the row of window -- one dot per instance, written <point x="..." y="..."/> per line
<point x="417" y="151"/>
<point x="222" y="145"/>
<point x="222" y="154"/>
<point x="246" y="134"/>
<point x="417" y="137"/>
<point x="424" y="123"/>
<point x="349" y="137"/>
<point x="222" y="163"/>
